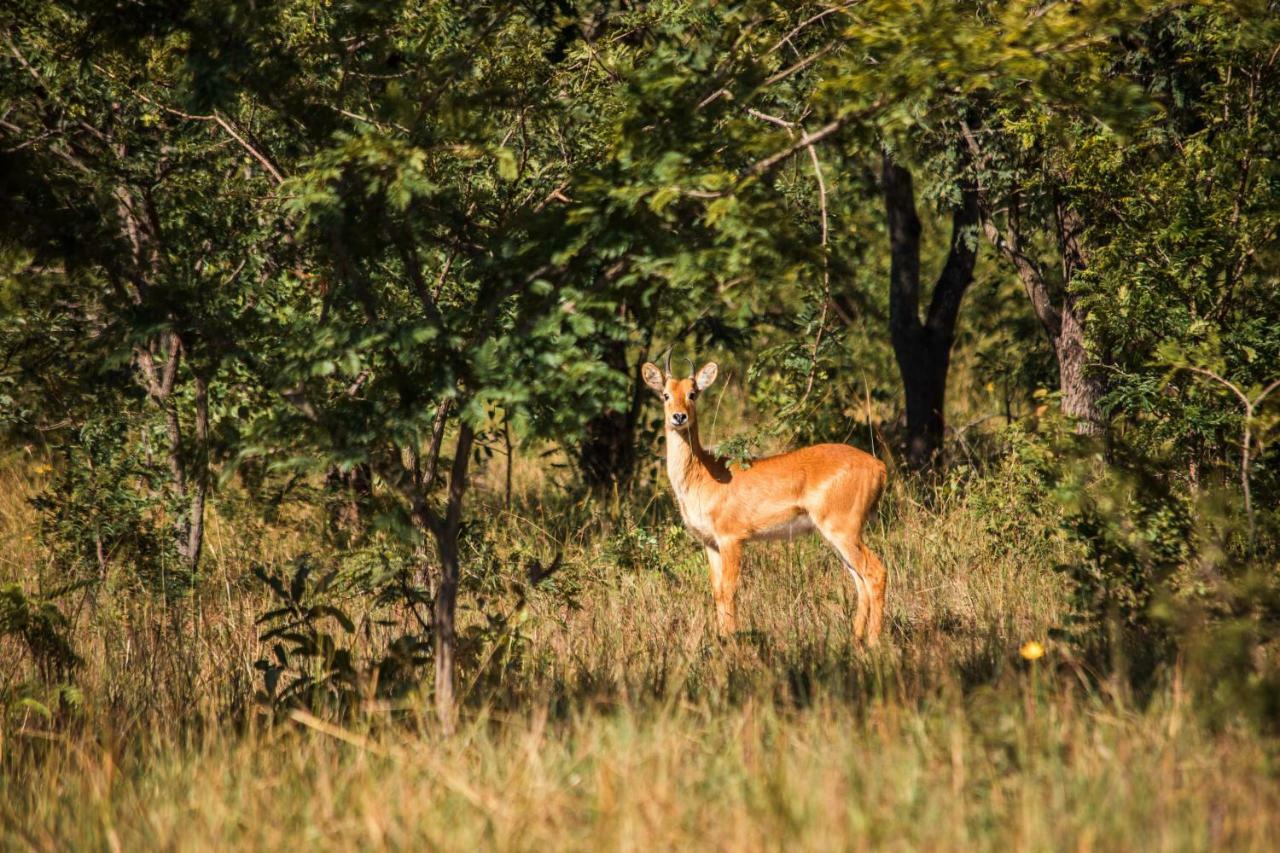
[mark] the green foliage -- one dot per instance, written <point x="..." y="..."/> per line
<point x="635" y="546"/>
<point x="1020" y="483"/>
<point x="42" y="629"/>
<point x="310" y="658"/>
<point x="1137" y="536"/>
<point x="98" y="510"/>
<point x="1158" y="575"/>
<point x="738" y="451"/>
<point x="35" y="627"/>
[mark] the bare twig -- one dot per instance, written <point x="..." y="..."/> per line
<point x="713" y="97"/>
<point x="826" y="265"/>
<point x="806" y="140"/>
<point x="214" y="117"/>
<point x="826" y="274"/>
<point x="797" y="67"/>
<point x="1246" y="437"/>
<point x="794" y="31"/>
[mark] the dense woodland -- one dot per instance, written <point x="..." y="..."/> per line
<point x="321" y="327"/>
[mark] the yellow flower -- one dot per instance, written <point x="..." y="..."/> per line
<point x="41" y="468"/>
<point x="1031" y="650"/>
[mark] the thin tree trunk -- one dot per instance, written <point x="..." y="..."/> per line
<point x="445" y="609"/>
<point x="1063" y="323"/>
<point x="200" y="486"/>
<point x="446" y="602"/>
<point x="1062" y="317"/>
<point x="506" y="438"/>
<point x="188" y="528"/>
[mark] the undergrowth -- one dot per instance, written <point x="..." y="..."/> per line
<point x="600" y="708"/>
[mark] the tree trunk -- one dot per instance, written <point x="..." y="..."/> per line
<point x="189" y="487"/>
<point x="1061" y="316"/>
<point x="140" y="227"/>
<point x="923" y="361"/>
<point x="923" y="349"/>
<point x="1081" y="390"/>
<point x="446" y="603"/>
<point x="446" y="637"/>
<point x="200" y="472"/>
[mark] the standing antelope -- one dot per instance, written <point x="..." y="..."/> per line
<point x="831" y="488"/>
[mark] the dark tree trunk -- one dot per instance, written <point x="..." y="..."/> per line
<point x="923" y="348"/>
<point x="607" y="454"/>
<point x="923" y="360"/>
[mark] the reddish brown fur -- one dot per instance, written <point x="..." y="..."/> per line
<point x="831" y="488"/>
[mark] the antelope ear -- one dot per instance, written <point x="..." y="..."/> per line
<point x="652" y="377"/>
<point x="706" y="376"/>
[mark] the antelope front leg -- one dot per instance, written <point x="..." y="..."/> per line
<point x="724" y="584"/>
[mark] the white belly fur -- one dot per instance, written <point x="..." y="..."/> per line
<point x="799" y="526"/>
<point x="700" y="526"/>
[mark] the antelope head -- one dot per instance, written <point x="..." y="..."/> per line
<point x="678" y="394"/>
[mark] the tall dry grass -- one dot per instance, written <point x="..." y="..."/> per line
<point x="626" y="724"/>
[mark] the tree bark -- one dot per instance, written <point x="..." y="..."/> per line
<point x="1062" y="317"/>
<point x="1081" y="389"/>
<point x="190" y="476"/>
<point x="446" y="602"/>
<point x="922" y="349"/>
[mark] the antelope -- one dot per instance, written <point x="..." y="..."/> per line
<point x="827" y="488"/>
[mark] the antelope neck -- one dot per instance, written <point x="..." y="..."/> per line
<point x="684" y="455"/>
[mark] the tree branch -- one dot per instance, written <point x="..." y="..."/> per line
<point x="786" y="39"/>
<point x="957" y="273"/>
<point x="1009" y="244"/>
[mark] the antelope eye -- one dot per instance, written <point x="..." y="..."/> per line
<point x="666" y="396"/>
<point x="693" y="395"/>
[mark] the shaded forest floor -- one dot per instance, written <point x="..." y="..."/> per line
<point x="614" y="717"/>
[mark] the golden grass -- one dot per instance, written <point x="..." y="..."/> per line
<point x="629" y="725"/>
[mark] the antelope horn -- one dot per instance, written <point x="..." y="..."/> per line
<point x="667" y="364"/>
